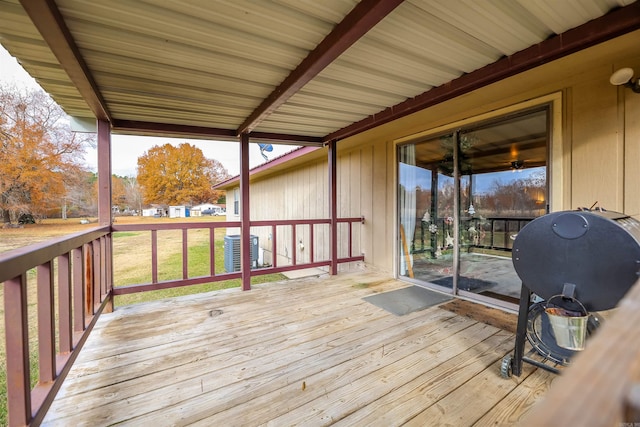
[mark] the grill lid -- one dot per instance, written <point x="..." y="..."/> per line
<point x="597" y="251"/>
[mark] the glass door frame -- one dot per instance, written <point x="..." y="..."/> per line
<point x="552" y="104"/>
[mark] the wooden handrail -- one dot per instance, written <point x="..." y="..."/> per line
<point x="17" y="261"/>
<point x="600" y="388"/>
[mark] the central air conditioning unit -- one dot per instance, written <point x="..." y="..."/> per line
<point x="232" y="252"/>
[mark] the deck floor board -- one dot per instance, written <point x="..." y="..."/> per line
<point x="306" y="352"/>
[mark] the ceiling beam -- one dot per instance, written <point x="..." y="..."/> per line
<point x="201" y="132"/>
<point x="356" y="24"/>
<point x="166" y="129"/>
<point x="614" y="24"/>
<point x="286" y="139"/>
<point x="49" y="21"/>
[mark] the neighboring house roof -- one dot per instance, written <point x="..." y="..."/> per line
<point x="270" y="165"/>
<point x="302" y="72"/>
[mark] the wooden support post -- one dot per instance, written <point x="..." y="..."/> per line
<point x="245" y="216"/>
<point x="105" y="208"/>
<point x="104" y="173"/>
<point x="333" y="208"/>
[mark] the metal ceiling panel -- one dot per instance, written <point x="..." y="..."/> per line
<point x="427" y="43"/>
<point x="560" y="16"/>
<point x="230" y="56"/>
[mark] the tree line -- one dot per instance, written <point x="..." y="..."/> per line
<point x="43" y="172"/>
<point x="524" y="197"/>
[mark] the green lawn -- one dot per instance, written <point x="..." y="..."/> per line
<point x="198" y="260"/>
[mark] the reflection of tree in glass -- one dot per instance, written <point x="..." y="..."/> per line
<point x="516" y="197"/>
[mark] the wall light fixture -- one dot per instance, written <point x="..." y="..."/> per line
<point x="624" y="77"/>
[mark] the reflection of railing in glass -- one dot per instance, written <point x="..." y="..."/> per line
<point x="487" y="233"/>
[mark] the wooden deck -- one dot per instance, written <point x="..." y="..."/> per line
<point x="303" y="352"/>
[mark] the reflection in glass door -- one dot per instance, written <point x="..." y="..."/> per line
<point x="503" y="165"/>
<point x="426" y="211"/>
<point x="458" y="220"/>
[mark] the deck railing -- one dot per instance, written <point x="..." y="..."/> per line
<point x="80" y="266"/>
<point x="73" y="280"/>
<point x="487" y="233"/>
<point x="215" y="276"/>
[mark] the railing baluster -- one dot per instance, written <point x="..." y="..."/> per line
<point x="350" y="228"/>
<point x="311" y="243"/>
<point x="185" y="254"/>
<point x="294" y="245"/>
<point x="88" y="280"/>
<point x="212" y="251"/>
<point x="96" y="276"/>
<point x="274" y="254"/>
<point x="64" y="303"/>
<point x="154" y="256"/>
<point x="78" y="291"/>
<point x="108" y="270"/>
<point x="103" y="268"/>
<point x="493" y="233"/>
<point x="46" y="323"/>
<point x="17" y="341"/>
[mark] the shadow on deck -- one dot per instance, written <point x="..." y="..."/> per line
<point x="300" y="352"/>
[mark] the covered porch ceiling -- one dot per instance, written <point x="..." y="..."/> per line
<point x="287" y="71"/>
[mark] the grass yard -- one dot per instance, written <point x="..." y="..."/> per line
<point x="131" y="263"/>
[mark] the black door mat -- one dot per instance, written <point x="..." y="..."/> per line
<point x="464" y="283"/>
<point x="407" y="300"/>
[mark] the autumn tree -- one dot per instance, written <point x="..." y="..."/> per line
<point x="118" y="193"/>
<point x="133" y="194"/>
<point x="81" y="196"/>
<point x="39" y="154"/>
<point x="178" y="175"/>
<point x="126" y="193"/>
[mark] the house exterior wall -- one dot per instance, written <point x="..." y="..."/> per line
<point x="595" y="150"/>
<point x="178" y="211"/>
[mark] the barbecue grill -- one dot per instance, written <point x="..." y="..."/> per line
<point x="575" y="263"/>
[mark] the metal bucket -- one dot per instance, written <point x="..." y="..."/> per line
<point x="569" y="327"/>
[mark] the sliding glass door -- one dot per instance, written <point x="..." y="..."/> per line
<point x="463" y="196"/>
<point x="426" y="202"/>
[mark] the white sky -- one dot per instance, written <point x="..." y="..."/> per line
<point x="125" y="149"/>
